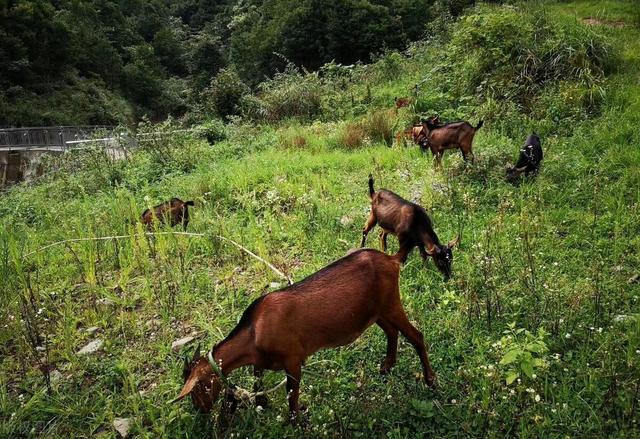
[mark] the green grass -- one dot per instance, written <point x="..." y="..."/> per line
<point x="546" y="261"/>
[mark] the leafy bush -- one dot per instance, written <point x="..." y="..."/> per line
<point x="224" y="94"/>
<point x="213" y="130"/>
<point x="289" y="94"/>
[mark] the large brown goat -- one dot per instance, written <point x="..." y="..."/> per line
<point x="411" y="224"/>
<point x="449" y="136"/>
<point x="327" y="309"/>
<point x="174" y="211"/>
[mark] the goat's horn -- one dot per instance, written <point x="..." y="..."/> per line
<point x="196" y="354"/>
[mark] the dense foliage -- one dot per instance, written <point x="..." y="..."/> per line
<point x="106" y="61"/>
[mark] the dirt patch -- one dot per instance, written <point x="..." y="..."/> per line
<point x="599" y="22"/>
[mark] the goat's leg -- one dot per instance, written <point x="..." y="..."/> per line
<point x="415" y="337"/>
<point x="383" y="241"/>
<point x="392" y="346"/>
<point x="227" y="409"/>
<point x="371" y="223"/>
<point x="261" y="400"/>
<point x="294" y="373"/>
<point x="423" y="252"/>
<point x="437" y="158"/>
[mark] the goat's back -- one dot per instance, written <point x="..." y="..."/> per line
<point x="454" y="132"/>
<point x="329" y="308"/>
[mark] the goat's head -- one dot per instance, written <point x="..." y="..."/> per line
<point x="431" y="122"/>
<point x="200" y="382"/>
<point x="443" y="257"/>
<point x="513" y="172"/>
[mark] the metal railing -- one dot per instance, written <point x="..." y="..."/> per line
<point x="47" y="138"/>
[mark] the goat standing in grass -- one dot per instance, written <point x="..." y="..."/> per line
<point x="448" y="136"/>
<point x="173" y="212"/>
<point x="411" y="224"/>
<point x="327" y="309"/>
<point x="529" y="159"/>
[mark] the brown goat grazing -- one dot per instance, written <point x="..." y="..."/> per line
<point x="327" y="309"/>
<point x="449" y="136"/>
<point x="401" y="102"/>
<point x="417" y="133"/>
<point x="173" y="212"/>
<point x="411" y="224"/>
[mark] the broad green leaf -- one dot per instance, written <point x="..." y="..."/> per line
<point x="510" y="356"/>
<point x="527" y="368"/>
<point x="511" y="377"/>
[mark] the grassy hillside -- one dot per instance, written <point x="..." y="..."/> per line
<point x="536" y="334"/>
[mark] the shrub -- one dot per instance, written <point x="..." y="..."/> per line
<point x="289" y="94"/>
<point x="213" y="130"/>
<point x="509" y="54"/>
<point x="225" y="93"/>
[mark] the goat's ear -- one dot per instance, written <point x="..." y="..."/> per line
<point x="454" y="243"/>
<point x="188" y="387"/>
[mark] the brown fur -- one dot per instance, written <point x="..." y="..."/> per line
<point x="449" y="136"/>
<point x="173" y="212"/>
<point x="417" y="133"/>
<point x="328" y="309"/>
<point x="411" y="224"/>
<point x="401" y="102"/>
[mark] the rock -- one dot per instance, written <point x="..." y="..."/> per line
<point x="179" y="344"/>
<point x="346" y="220"/>
<point x="274" y="285"/>
<point x="104" y="301"/>
<point x="634" y="279"/>
<point x="122" y="426"/>
<point x="439" y="187"/>
<point x="55" y="375"/>
<point x="91" y="347"/>
<point x="92" y="330"/>
<point x="620" y="318"/>
<point x="40" y="348"/>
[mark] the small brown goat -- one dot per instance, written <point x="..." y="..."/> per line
<point x="327" y="309"/>
<point x="401" y="102"/>
<point x="411" y="224"/>
<point x="448" y="136"/>
<point x="417" y="133"/>
<point x="173" y="212"/>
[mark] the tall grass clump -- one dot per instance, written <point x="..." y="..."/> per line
<point x="351" y="136"/>
<point x="379" y="127"/>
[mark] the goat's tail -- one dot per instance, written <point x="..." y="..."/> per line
<point x="189" y="203"/>
<point x="479" y="125"/>
<point x="371" y="189"/>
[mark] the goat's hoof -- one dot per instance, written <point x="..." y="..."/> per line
<point x="432" y="381"/>
<point x="262" y="401"/>
<point x="385" y="367"/>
